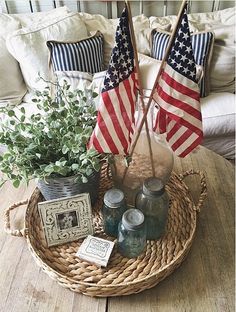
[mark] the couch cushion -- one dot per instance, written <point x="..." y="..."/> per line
<point x="222" y="145"/>
<point x="12" y="86"/>
<point x="218" y="113"/>
<point x="85" y="55"/>
<point x="28" y="46"/>
<point x="202" y="44"/>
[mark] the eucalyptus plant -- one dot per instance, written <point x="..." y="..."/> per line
<point x="53" y="141"/>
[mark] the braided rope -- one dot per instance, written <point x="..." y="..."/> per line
<point x="203" y="186"/>
<point x="7" y="224"/>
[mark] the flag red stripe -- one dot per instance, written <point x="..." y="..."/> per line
<point x="191" y="147"/>
<point x="94" y="141"/>
<point x="180" y="87"/>
<point x="172" y="131"/>
<point x="124" y="113"/>
<point x="106" y="134"/>
<point x="161" y="121"/>
<point x="112" y="115"/>
<point x="181" y="140"/>
<point x="131" y="91"/>
<point x="179" y="104"/>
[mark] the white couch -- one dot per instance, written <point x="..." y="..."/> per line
<point x="23" y="54"/>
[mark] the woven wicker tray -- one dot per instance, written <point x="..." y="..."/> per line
<point x="123" y="276"/>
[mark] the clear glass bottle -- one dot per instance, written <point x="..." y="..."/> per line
<point x="112" y="210"/>
<point x="140" y="168"/>
<point x="131" y="239"/>
<point x="153" y="201"/>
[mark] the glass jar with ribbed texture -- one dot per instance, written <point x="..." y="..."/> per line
<point x="131" y="239"/>
<point x="153" y="201"/>
<point x="113" y="208"/>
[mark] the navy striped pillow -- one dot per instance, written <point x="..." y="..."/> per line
<point x="85" y="55"/>
<point x="159" y="44"/>
<point x="202" y="44"/>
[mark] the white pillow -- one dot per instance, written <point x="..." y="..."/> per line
<point x="82" y="81"/>
<point x="26" y="19"/>
<point x="28" y="46"/>
<point x="12" y="86"/>
<point x="222" y="70"/>
<point x="149" y="68"/>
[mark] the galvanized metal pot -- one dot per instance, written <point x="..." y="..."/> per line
<point x="57" y="187"/>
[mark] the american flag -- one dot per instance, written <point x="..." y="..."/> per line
<point x="177" y="94"/>
<point x="115" y="121"/>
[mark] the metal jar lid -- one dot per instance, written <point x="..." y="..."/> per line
<point x="133" y="219"/>
<point x="153" y="187"/>
<point x="114" y="198"/>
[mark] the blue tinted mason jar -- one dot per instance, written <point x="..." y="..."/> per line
<point x="153" y="201"/>
<point x="113" y="208"/>
<point x="131" y="241"/>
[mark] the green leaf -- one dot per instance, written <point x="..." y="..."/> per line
<point x="11" y="113"/>
<point x="75" y="166"/>
<point x="65" y="149"/>
<point x="75" y="149"/>
<point x="84" y="179"/>
<point x="22" y="110"/>
<point x="16" y="183"/>
<point x="49" y="168"/>
<point x="2" y="182"/>
<point x="84" y="162"/>
<point x="89" y="171"/>
<point x="97" y="167"/>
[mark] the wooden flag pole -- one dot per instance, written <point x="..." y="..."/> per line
<point x="156" y="81"/>
<point x="140" y="84"/>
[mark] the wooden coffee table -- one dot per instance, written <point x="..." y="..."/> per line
<point x="204" y="282"/>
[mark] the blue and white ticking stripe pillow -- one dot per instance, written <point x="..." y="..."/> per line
<point x="159" y="44"/>
<point x="85" y="55"/>
<point x="202" y="44"/>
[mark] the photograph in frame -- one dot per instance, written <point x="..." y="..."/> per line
<point x="66" y="219"/>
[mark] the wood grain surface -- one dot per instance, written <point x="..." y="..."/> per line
<point x="203" y="283"/>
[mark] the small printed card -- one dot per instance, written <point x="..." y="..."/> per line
<point x="66" y="219"/>
<point x="95" y="250"/>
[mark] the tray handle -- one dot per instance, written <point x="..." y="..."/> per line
<point x="203" y="185"/>
<point x="7" y="223"/>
